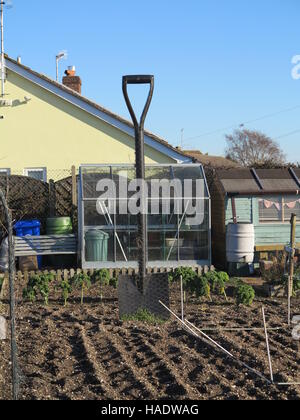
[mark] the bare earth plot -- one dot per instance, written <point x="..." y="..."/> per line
<point x="85" y="352"/>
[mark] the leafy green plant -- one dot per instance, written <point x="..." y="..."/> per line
<point x="143" y="315"/>
<point x="113" y="282"/>
<point x="218" y="281"/>
<point x="29" y="293"/>
<point x="102" y="278"/>
<point x="200" y="286"/>
<point x="38" y="285"/>
<point x="245" y="295"/>
<point x="81" y="281"/>
<point x="223" y="276"/>
<point x="66" y="289"/>
<point x="187" y="274"/>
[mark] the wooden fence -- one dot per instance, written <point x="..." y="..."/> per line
<point x="29" y="198"/>
<point x="22" y="278"/>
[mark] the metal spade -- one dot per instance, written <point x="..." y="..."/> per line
<point x="142" y="291"/>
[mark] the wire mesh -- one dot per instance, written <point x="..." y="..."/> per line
<point x="14" y="349"/>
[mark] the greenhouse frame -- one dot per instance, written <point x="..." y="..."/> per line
<point x="108" y="239"/>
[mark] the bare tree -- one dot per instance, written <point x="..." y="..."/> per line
<point x="254" y="149"/>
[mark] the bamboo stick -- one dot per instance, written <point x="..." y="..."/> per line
<point x="268" y="346"/>
<point x="215" y="344"/>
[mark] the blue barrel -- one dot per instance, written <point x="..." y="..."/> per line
<point x="29" y="228"/>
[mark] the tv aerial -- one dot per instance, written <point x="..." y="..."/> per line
<point x="61" y="55"/>
<point x="7" y="4"/>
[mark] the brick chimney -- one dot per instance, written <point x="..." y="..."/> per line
<point x="71" y="80"/>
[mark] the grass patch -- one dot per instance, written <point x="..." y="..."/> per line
<point x="143" y="315"/>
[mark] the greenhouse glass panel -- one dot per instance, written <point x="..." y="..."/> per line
<point x="178" y="216"/>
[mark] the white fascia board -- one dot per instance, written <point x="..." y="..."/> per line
<point x="94" y="111"/>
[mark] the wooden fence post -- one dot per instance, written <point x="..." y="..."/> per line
<point x="52" y="198"/>
<point x="292" y="265"/>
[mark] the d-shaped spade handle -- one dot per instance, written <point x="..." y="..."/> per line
<point x="138" y="80"/>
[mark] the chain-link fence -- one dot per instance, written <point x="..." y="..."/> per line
<point x="15" y="372"/>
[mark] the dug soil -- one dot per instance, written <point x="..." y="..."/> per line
<point x="87" y="353"/>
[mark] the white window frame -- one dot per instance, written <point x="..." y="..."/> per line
<point x="6" y="171"/>
<point x="44" y="170"/>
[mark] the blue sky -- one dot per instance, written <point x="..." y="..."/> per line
<point x="217" y="63"/>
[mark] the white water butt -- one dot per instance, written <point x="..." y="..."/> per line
<point x="240" y="243"/>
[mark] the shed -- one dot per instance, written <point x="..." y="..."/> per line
<point x="264" y="197"/>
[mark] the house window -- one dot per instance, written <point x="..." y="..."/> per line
<point x="278" y="209"/>
<point x="5" y="171"/>
<point x="36" y="173"/>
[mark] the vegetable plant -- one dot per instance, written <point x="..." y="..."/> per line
<point x="66" y="289"/>
<point x="113" y="282"/>
<point x="38" y="285"/>
<point x="245" y="295"/>
<point x="102" y="278"/>
<point x="187" y="274"/>
<point x="188" y="277"/>
<point x="200" y="286"/>
<point x="217" y="281"/>
<point x="81" y="281"/>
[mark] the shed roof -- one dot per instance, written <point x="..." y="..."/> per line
<point x="259" y="181"/>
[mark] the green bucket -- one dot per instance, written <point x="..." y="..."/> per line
<point x="59" y="226"/>
<point x="96" y="245"/>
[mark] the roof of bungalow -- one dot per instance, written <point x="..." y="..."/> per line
<point x="259" y="181"/>
<point x="212" y="161"/>
<point x="152" y="140"/>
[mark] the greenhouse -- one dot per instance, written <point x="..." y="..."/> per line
<point x="177" y="211"/>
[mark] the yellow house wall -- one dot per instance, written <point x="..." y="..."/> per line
<point x="50" y="132"/>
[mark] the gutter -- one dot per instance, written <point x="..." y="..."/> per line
<point x="262" y="193"/>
